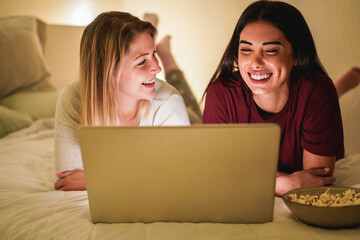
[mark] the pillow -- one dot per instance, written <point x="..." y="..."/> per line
<point x="41" y="31"/>
<point x="38" y="105"/>
<point x="22" y="64"/>
<point x="11" y="121"/>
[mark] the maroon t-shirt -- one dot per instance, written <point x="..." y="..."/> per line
<point x="311" y="118"/>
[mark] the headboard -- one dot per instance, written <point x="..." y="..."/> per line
<point x="62" y="52"/>
<point x="62" y="55"/>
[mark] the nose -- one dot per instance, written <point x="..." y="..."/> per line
<point x="257" y="59"/>
<point x="155" y="67"/>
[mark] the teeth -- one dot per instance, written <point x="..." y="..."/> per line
<point x="260" y="77"/>
<point x="149" y="82"/>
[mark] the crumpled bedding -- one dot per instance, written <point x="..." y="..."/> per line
<point x="31" y="209"/>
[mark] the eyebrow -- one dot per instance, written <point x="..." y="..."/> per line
<point x="245" y="42"/>
<point x="264" y="44"/>
<point x="272" y="43"/>
<point x="141" y="55"/>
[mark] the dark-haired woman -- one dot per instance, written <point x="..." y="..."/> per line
<point x="270" y="73"/>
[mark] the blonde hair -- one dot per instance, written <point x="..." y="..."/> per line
<point x="104" y="44"/>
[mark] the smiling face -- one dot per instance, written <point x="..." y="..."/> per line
<point x="137" y="78"/>
<point x="265" y="60"/>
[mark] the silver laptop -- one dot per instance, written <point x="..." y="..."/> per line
<point x="200" y="173"/>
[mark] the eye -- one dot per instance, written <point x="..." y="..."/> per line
<point x="142" y="62"/>
<point x="245" y="50"/>
<point x="271" y="51"/>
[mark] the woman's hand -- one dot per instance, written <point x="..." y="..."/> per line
<point x="314" y="177"/>
<point x="73" y="180"/>
<point x="318" y="171"/>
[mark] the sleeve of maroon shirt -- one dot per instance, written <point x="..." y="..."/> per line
<point x="215" y="109"/>
<point x="322" y="127"/>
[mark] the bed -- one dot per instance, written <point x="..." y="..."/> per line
<point x="30" y="208"/>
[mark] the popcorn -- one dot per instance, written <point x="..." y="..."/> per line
<point x="348" y="198"/>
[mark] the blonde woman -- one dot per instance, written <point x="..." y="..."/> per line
<point x="117" y="87"/>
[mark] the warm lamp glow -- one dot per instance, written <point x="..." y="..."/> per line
<point x="81" y="13"/>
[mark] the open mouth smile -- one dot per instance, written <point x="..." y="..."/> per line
<point x="149" y="82"/>
<point x="259" y="77"/>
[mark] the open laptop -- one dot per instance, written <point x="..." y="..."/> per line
<point x="200" y="173"/>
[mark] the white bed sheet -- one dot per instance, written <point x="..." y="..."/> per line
<point x="31" y="209"/>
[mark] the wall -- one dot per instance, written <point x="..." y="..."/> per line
<point x="336" y="33"/>
<point x="201" y="29"/>
<point x="335" y="29"/>
<point x="63" y="12"/>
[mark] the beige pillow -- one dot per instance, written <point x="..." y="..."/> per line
<point x="39" y="104"/>
<point x="11" y="121"/>
<point x="22" y="64"/>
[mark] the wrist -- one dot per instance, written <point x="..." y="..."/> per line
<point x="284" y="184"/>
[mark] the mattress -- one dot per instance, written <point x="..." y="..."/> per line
<point x="30" y="208"/>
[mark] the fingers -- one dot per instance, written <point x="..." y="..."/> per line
<point x="328" y="180"/>
<point x="318" y="171"/>
<point x="66" y="173"/>
<point x="71" y="181"/>
<point x="59" y="184"/>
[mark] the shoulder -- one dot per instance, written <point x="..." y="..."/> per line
<point x="71" y="90"/>
<point x="166" y="96"/>
<point x="225" y="89"/>
<point x="225" y="84"/>
<point x="316" y="81"/>
<point x="224" y="99"/>
<point x="69" y="102"/>
<point x="167" y="107"/>
<point x="319" y="85"/>
<point x="164" y="91"/>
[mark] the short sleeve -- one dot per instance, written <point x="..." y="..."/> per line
<point x="322" y="132"/>
<point x="215" y="110"/>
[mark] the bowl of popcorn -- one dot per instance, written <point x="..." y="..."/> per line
<point x="328" y="207"/>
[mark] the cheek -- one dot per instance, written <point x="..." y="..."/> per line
<point x="123" y="75"/>
<point x="126" y="82"/>
<point x="287" y="66"/>
<point x="242" y="64"/>
<point x="281" y="64"/>
<point x="288" y="61"/>
<point x="241" y="60"/>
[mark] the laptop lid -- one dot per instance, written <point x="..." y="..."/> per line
<point x="200" y="173"/>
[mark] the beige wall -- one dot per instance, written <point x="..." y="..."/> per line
<point x="201" y="29"/>
<point x="335" y="26"/>
<point x="67" y="12"/>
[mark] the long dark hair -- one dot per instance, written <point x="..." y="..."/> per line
<point x="295" y="29"/>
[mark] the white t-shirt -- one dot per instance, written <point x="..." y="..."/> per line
<point x="167" y="109"/>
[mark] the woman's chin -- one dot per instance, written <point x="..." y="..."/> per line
<point x="150" y="96"/>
